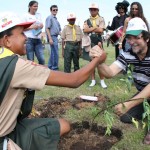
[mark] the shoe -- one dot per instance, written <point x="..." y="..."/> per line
<point x="93" y="83"/>
<point x="103" y="85"/>
<point x="147" y="139"/>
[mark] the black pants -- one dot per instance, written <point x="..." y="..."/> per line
<point x="117" y="49"/>
<point x="71" y="52"/>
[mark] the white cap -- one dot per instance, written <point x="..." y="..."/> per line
<point x="71" y="16"/>
<point x="94" y="5"/>
<point x="136" y="26"/>
<point x="10" y="19"/>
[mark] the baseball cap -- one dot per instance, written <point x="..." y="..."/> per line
<point x="10" y="19"/>
<point x="71" y="16"/>
<point x="136" y="26"/>
<point x="94" y="5"/>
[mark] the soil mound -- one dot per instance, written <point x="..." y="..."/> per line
<point x="57" y="106"/>
<point x="83" y="135"/>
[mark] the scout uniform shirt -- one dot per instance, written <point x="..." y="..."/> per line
<point x="26" y="75"/>
<point x="67" y="33"/>
<point x="99" y="22"/>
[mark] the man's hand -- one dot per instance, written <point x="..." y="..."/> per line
<point x="97" y="51"/>
<point x="122" y="108"/>
<point x="50" y="41"/>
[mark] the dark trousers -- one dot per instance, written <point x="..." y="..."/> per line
<point x="117" y="51"/>
<point x="71" y="52"/>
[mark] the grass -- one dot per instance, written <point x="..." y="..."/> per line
<point x="116" y="91"/>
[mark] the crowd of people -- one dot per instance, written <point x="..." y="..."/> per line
<point x="22" y="36"/>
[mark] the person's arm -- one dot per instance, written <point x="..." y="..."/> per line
<point x="40" y="25"/>
<point x="75" y="79"/>
<point x="63" y="45"/>
<point x="47" y="28"/>
<point x="108" y="71"/>
<point x="49" y="36"/>
<point x="123" y="33"/>
<point x="99" y="30"/>
<point x="101" y="27"/>
<point x="139" y="98"/>
<point x="112" y="27"/>
<point x="87" y="29"/>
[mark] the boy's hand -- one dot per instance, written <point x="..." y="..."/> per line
<point x="96" y="51"/>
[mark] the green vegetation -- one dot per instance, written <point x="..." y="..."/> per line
<point x="117" y="91"/>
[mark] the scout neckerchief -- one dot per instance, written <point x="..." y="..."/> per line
<point x="7" y="64"/>
<point x="94" y="20"/>
<point x="73" y="31"/>
<point x="4" y="52"/>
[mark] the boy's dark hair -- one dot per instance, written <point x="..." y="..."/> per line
<point x="31" y="3"/>
<point x="53" y="6"/>
<point x="7" y="32"/>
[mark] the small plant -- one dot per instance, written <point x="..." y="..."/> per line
<point x="128" y="77"/>
<point x="146" y="115"/>
<point x="109" y="119"/>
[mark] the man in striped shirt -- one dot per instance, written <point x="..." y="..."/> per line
<point x="139" y="57"/>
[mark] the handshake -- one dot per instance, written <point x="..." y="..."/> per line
<point x="97" y="51"/>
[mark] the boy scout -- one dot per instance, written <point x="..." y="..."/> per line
<point x="95" y="26"/>
<point x="71" y="43"/>
<point x="16" y="77"/>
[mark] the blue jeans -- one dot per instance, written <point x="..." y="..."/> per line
<point x="35" y="46"/>
<point x="54" y="55"/>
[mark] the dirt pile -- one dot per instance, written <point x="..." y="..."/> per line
<point x="83" y="136"/>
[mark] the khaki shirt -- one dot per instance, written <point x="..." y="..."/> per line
<point x="67" y="33"/>
<point x="26" y="75"/>
<point x="100" y="22"/>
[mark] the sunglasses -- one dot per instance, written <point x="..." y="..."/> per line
<point x="55" y="10"/>
<point x="93" y="9"/>
<point x="134" y="8"/>
<point x="121" y="7"/>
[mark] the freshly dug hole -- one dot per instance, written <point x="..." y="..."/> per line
<point x="84" y="136"/>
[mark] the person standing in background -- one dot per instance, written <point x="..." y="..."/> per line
<point x="95" y="26"/>
<point x="136" y="10"/>
<point x="53" y="29"/>
<point x="71" y="43"/>
<point x="118" y="21"/>
<point x="34" y="43"/>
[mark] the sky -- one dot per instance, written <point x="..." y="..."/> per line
<point x="79" y="7"/>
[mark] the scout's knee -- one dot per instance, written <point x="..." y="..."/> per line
<point x="64" y="126"/>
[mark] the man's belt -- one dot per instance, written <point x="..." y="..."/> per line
<point x="72" y="42"/>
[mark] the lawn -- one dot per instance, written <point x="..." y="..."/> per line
<point x="117" y="91"/>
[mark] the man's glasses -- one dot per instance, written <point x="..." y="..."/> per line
<point x="93" y="9"/>
<point x="134" y="38"/>
<point x="55" y="10"/>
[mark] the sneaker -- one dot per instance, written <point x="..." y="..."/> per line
<point x="93" y="83"/>
<point x="147" y="139"/>
<point x="103" y="85"/>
